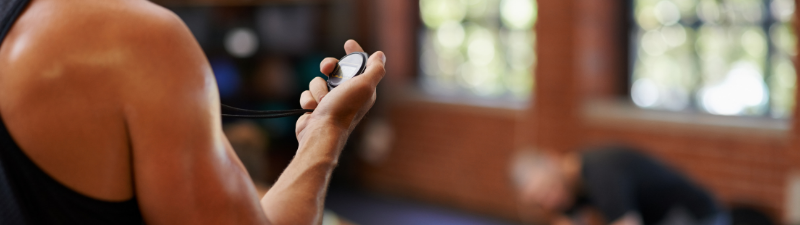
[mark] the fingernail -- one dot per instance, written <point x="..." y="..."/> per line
<point x="383" y="57"/>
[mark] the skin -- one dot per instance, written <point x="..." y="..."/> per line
<point x="550" y="186"/>
<point x="116" y="100"/>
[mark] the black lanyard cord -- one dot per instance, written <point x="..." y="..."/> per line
<point x="264" y="114"/>
<point x="266" y="111"/>
<point x="355" y="62"/>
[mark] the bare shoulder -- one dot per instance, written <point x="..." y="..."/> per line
<point x="96" y="33"/>
<point x="117" y="41"/>
<point x="88" y="24"/>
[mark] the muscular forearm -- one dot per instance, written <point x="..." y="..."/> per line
<point x="298" y="195"/>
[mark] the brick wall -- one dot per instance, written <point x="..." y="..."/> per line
<point x="449" y="154"/>
<point x="457" y="155"/>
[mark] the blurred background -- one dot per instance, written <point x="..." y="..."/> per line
<point x="708" y="86"/>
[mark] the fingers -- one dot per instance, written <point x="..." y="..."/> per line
<point x="378" y="56"/>
<point x="301" y="124"/>
<point x="318" y="88"/>
<point x="307" y="100"/>
<point x="351" y="46"/>
<point x="375" y="67"/>
<point x="327" y="65"/>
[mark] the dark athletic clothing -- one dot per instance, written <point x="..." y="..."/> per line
<point x="618" y="180"/>
<point x="28" y="195"/>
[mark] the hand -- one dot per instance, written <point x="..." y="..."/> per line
<point x="344" y="106"/>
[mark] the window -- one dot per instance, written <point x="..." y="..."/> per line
<point x="480" y="48"/>
<point x="725" y="57"/>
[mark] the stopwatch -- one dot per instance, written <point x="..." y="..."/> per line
<point x="349" y="66"/>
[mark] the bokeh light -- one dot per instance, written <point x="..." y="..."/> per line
<point x="782" y="85"/>
<point x="726" y="57"/>
<point x="674" y="35"/>
<point x="644" y="92"/>
<point x="518" y="14"/>
<point x="450" y="34"/>
<point x="666" y="12"/>
<point x="437" y="12"/>
<point x="482" y="48"/>
<point x="241" y="42"/>
<point x="782" y="10"/>
<point x="742" y="88"/>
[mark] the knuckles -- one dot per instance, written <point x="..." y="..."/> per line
<point x="363" y="88"/>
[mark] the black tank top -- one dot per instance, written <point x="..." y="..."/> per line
<point x="28" y="195"/>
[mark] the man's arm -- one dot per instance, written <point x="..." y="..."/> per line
<point x="322" y="136"/>
<point x="185" y="171"/>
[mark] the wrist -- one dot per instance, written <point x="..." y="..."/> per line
<point x="322" y="135"/>
<point x="329" y="125"/>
